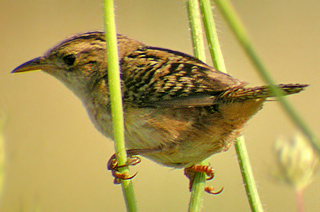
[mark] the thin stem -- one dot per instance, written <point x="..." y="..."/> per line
<point x="299" y="195"/>
<point x="243" y="157"/>
<point x="197" y="191"/>
<point x="239" y="31"/>
<point x="247" y="175"/>
<point x="194" y="16"/>
<point x="116" y="101"/>
<point x="212" y="36"/>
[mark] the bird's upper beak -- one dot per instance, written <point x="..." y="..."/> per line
<point x="32" y="65"/>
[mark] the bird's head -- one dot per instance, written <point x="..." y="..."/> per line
<point x="77" y="62"/>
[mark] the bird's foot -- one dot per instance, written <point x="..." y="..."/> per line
<point x="113" y="166"/>
<point x="208" y="170"/>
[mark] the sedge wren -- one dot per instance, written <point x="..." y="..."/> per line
<point x="178" y="110"/>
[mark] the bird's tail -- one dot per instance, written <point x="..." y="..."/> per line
<point x="260" y="92"/>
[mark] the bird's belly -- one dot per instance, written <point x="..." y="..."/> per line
<point x="177" y="139"/>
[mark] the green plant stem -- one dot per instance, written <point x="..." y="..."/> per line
<point x="239" y="30"/>
<point x="116" y="101"/>
<point x="247" y="175"/>
<point x="194" y="16"/>
<point x="212" y="36"/>
<point x="197" y="190"/>
<point x="242" y="153"/>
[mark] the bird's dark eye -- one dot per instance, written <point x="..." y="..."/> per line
<point x="69" y="59"/>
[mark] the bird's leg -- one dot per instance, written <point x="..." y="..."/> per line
<point x="208" y="170"/>
<point x="132" y="160"/>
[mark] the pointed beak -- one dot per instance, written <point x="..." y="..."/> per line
<point x="32" y="65"/>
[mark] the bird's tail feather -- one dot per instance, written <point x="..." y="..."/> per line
<point x="260" y="92"/>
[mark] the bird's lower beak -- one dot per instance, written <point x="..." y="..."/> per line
<point x="32" y="65"/>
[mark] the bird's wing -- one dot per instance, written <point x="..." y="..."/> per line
<point x="161" y="77"/>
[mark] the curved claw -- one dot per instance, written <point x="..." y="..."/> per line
<point x="211" y="175"/>
<point x="123" y="176"/>
<point x="112" y="163"/>
<point x="210" y="190"/>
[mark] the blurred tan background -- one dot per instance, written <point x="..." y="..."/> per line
<point x="56" y="160"/>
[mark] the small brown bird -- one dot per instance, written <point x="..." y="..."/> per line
<point x="178" y="110"/>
